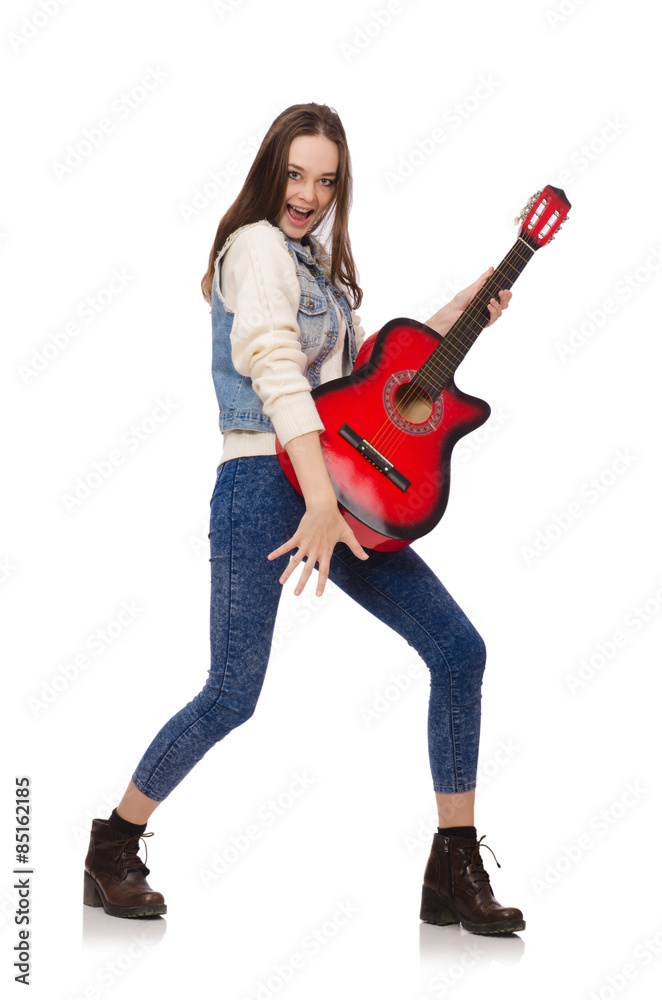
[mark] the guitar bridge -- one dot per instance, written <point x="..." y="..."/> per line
<point x="374" y="457"/>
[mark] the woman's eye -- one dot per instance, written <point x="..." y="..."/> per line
<point x="328" y="181"/>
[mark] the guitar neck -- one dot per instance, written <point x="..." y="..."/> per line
<point x="440" y="366"/>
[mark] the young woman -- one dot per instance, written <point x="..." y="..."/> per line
<point x="283" y="321"/>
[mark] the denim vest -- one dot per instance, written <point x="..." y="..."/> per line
<point x="239" y="404"/>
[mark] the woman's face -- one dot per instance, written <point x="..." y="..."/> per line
<point x="311" y="182"/>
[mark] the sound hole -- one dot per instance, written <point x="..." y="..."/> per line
<point x="413" y="403"/>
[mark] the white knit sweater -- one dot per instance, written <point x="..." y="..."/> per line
<point x="265" y="339"/>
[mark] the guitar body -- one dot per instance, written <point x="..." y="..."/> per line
<point x="390" y="426"/>
<point x="416" y="435"/>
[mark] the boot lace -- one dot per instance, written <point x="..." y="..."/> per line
<point x="479" y="874"/>
<point x="128" y="859"/>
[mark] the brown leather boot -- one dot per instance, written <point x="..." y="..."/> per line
<point x="457" y="890"/>
<point x="115" y="875"/>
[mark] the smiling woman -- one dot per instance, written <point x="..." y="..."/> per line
<point x="283" y="322"/>
<point x="309" y="188"/>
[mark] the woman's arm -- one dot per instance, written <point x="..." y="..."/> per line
<point x="322" y="526"/>
<point x="444" y="318"/>
<point x="260" y="284"/>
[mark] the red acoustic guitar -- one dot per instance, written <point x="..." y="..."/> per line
<point x="391" y="425"/>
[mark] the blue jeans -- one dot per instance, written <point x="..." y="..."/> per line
<point x="254" y="509"/>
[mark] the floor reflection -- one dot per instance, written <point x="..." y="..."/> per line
<point x="450" y="950"/>
<point x="99" y="928"/>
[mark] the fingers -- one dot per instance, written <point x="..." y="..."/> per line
<point x="357" y="549"/>
<point x="282" y="549"/>
<point x="322" y="576"/>
<point x="495" y="308"/>
<point x="316" y="552"/>
<point x="303" y="579"/>
<point x="324" y="561"/>
<point x="494" y="311"/>
<point x="294" y="562"/>
<point x="323" y="572"/>
<point x="292" y="565"/>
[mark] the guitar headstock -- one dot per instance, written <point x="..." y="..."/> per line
<point x="542" y="216"/>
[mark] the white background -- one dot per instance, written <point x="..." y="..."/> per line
<point x="574" y="103"/>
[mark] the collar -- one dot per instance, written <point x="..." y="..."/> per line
<point x="312" y="251"/>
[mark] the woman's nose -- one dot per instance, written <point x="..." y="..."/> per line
<point x="308" y="192"/>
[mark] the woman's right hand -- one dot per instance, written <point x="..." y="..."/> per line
<point x="320" y="529"/>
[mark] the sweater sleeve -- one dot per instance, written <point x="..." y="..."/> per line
<point x="260" y="285"/>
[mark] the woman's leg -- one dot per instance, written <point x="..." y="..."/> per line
<point x="253" y="510"/>
<point x="401" y="590"/>
<point x="135" y="807"/>
<point x="456" y="809"/>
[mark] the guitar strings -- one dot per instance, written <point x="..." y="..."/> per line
<point x="455" y="336"/>
<point x="388" y="434"/>
<point x="455" y="349"/>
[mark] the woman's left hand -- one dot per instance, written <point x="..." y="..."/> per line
<point x="463" y="298"/>
<point x="443" y="320"/>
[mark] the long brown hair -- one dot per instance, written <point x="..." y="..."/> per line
<point x="262" y="195"/>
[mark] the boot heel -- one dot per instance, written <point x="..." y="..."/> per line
<point x="435" y="910"/>
<point x="91" y="895"/>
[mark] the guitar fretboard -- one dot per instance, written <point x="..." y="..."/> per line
<point x="440" y="366"/>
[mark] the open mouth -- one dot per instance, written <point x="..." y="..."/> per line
<point x="297" y="215"/>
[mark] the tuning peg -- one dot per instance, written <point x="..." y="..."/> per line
<point x="527" y="208"/>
